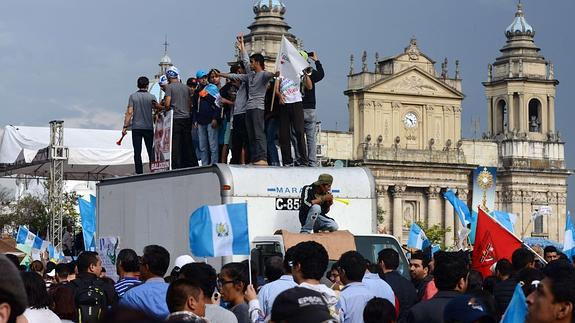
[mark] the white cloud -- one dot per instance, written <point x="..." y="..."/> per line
<point x="93" y="118"/>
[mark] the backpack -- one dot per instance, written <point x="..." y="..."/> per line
<point x="90" y="300"/>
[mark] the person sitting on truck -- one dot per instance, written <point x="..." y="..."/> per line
<point x="315" y="202"/>
<point x="310" y="260"/>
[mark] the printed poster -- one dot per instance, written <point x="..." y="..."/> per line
<point x="108" y="249"/>
<point x="162" y="142"/>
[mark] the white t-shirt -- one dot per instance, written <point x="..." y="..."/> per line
<point x="290" y="90"/>
<point x="42" y="315"/>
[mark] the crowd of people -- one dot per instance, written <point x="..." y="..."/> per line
<point x="295" y="287"/>
<point x="246" y="116"/>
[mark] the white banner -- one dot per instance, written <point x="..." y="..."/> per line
<point x="289" y="62"/>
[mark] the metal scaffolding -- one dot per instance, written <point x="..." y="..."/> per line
<point x="58" y="154"/>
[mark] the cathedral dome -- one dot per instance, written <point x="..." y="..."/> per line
<point x="519" y="26"/>
<point x="166" y="60"/>
<point x="272" y="6"/>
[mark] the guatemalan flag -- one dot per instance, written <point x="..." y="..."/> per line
<point x="569" y="240"/>
<point x="25" y="237"/>
<point x="417" y="238"/>
<point x="220" y="230"/>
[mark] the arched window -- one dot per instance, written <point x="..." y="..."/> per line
<point x="534" y="120"/>
<point x="501" y="117"/>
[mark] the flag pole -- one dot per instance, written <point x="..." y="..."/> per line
<point x="273" y="96"/>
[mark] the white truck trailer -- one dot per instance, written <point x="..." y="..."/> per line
<point x="155" y="208"/>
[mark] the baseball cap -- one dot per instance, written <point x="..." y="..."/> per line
<point x="324" y="179"/>
<point x="172" y="72"/>
<point x="183" y="260"/>
<point x="301" y="305"/>
<point x="200" y="74"/>
<point x="467" y="309"/>
<point x="11" y="286"/>
<point x="163" y="80"/>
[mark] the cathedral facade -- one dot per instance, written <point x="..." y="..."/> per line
<point x="405" y="125"/>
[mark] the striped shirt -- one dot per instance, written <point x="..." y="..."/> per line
<point x="124" y="284"/>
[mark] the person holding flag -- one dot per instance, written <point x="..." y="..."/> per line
<point x="291" y="108"/>
<point x="257" y="79"/>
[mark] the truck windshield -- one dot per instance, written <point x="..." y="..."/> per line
<point x="370" y="246"/>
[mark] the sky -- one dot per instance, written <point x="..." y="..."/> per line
<point x="78" y="61"/>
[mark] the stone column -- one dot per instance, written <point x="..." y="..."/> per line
<point x="449" y="222"/>
<point x="551" y="119"/>
<point x="433" y="213"/>
<point x="490" y="115"/>
<point x="523" y="115"/>
<point x="553" y="219"/>
<point x="398" y="191"/>
<point x="382" y="205"/>
<point x="510" y="112"/>
<point x="561" y="213"/>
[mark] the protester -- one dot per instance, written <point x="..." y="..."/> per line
<point x="228" y="94"/>
<point x="315" y="202"/>
<point x="379" y="310"/>
<point x="257" y="79"/>
<point x="141" y="105"/>
<point x="240" y="147"/>
<point x="419" y="272"/>
<point x="37" y="267"/>
<point x="272" y="125"/>
<point x="309" y="262"/>
<point x="204" y="276"/>
<point x="309" y="111"/>
<point x="178" y="98"/>
<point x="333" y="276"/>
<point x="128" y="270"/>
<point x="68" y="236"/>
<point x="90" y="295"/>
<point x="150" y="296"/>
<point x="38" y="300"/>
<point x="268" y="293"/>
<point x="59" y="291"/>
<point x="180" y="262"/>
<point x="388" y="260"/>
<point x="300" y="305"/>
<point x="451" y="269"/>
<point x="550" y="254"/>
<point x="554" y="297"/>
<point x="232" y="283"/>
<point x="13" y="298"/>
<point x="291" y="117"/>
<point x="529" y="278"/>
<point x="467" y="308"/>
<point x="185" y="301"/>
<point x="379" y="287"/>
<point x="355" y="295"/>
<point x="504" y="286"/>
<point x="207" y="116"/>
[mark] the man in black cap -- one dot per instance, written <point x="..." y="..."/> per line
<point x="301" y="305"/>
<point x="315" y="202"/>
<point x="13" y="299"/>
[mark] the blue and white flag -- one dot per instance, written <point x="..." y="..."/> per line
<point x="88" y="218"/>
<point x="569" y="239"/>
<point x="25" y="237"/>
<point x="220" y="230"/>
<point x="37" y="243"/>
<point x="417" y="238"/>
<point x="517" y="309"/>
<point x="459" y="206"/>
<point x="505" y="219"/>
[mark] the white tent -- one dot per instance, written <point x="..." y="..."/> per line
<point x="93" y="154"/>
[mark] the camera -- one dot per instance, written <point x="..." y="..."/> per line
<point x="310" y="54"/>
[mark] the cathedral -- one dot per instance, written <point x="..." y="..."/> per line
<point x="405" y="126"/>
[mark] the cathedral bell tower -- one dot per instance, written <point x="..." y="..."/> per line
<point x="531" y="175"/>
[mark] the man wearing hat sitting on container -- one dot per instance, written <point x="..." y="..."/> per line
<point x="314" y="205"/>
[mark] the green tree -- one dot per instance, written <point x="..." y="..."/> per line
<point x="434" y="233"/>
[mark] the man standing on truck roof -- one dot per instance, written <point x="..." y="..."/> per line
<point x="315" y="202"/>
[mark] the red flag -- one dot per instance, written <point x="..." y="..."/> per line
<point x="492" y="242"/>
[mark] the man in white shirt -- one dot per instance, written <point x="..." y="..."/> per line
<point x="270" y="291"/>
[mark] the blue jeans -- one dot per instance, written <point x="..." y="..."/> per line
<point x="310" y="136"/>
<point x="208" y="144"/>
<point x="318" y="222"/>
<point x="272" y="126"/>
